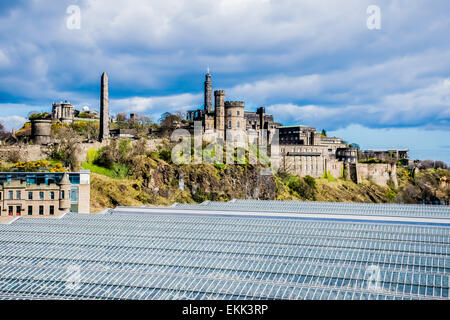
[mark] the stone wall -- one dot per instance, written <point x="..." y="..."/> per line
<point x="379" y="173"/>
<point x="334" y="167"/>
<point x="22" y="153"/>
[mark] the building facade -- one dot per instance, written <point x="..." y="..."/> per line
<point x="304" y="151"/>
<point x="63" y="112"/>
<point x="44" y="193"/>
<point x="396" y="154"/>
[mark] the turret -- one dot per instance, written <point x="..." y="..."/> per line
<point x="208" y="94"/>
<point x="219" y="102"/>
<point x="234" y="115"/>
<point x="64" y="193"/>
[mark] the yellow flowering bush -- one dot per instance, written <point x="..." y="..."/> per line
<point x="33" y="166"/>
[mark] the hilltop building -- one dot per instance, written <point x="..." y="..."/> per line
<point x="228" y="118"/>
<point x="63" y="112"/>
<point x="396" y="154"/>
<point x="304" y="151"/>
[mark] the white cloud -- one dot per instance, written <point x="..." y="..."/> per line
<point x="4" y="60"/>
<point x="428" y="106"/>
<point x="316" y="61"/>
<point x="13" y="122"/>
<point x="155" y="106"/>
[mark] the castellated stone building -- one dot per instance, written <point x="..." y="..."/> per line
<point x="228" y="118"/>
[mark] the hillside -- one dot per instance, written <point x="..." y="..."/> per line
<point x="136" y="173"/>
<point x="155" y="181"/>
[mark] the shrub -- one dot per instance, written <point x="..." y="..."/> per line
<point x="34" y="166"/>
<point x="92" y="155"/>
<point x="391" y="195"/>
<point x="36" y="116"/>
<point x="201" y="196"/>
<point x="402" y="162"/>
<point x="371" y="160"/>
<point x="310" y="181"/>
<point x="220" y="166"/>
<point x="304" y="187"/>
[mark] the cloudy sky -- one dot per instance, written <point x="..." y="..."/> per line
<point x="307" y="61"/>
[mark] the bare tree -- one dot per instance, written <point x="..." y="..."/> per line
<point x="66" y="147"/>
<point x="121" y="117"/>
<point x="4" y="134"/>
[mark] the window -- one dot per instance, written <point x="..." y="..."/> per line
<point x="0" y="196"/>
<point x="18" y="210"/>
<point x="41" y="195"/>
<point x="74" y="194"/>
<point x="10" y="195"/>
<point x="229" y="124"/>
<point x="30" y="210"/>
<point x="10" y="210"/>
<point x="52" y="210"/>
<point x="238" y="114"/>
<point x="62" y="194"/>
<point x="30" y="195"/>
<point x="52" y="195"/>
<point x="237" y="123"/>
<point x="41" y="210"/>
<point x="18" y="195"/>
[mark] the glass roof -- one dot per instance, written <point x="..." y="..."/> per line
<point x="381" y="209"/>
<point x="174" y="255"/>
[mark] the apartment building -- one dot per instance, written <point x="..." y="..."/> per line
<point x="44" y="193"/>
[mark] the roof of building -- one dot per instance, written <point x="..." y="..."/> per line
<point x="386" y="150"/>
<point x="213" y="253"/>
<point x="296" y="126"/>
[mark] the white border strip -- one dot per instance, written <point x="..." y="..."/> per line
<point x="131" y="210"/>
<point x="12" y="220"/>
<point x="62" y="215"/>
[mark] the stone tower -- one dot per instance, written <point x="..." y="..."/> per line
<point x="219" y="97"/>
<point x="104" y="108"/>
<point x="208" y="94"/>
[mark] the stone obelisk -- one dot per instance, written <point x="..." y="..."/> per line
<point x="104" y="108"/>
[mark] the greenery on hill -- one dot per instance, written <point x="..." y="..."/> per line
<point x="129" y="175"/>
